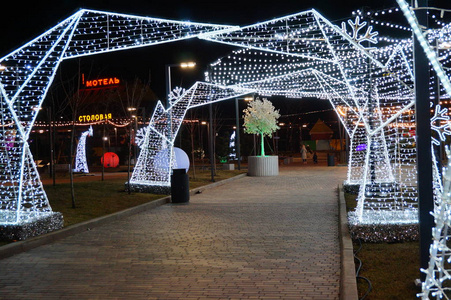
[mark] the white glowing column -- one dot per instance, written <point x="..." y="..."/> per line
<point x="81" y="164"/>
<point x="232" y="145"/>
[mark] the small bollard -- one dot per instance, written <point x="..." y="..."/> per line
<point x="330" y="160"/>
<point x="179" y="186"/>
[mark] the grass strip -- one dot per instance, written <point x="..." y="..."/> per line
<point x="392" y="268"/>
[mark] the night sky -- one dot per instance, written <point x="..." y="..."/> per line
<point x="22" y="22"/>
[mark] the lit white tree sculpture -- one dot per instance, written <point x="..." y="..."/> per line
<point x="81" y="164"/>
<point x="260" y="117"/>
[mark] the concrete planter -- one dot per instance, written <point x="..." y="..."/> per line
<point x="263" y="166"/>
<point x="228" y="166"/>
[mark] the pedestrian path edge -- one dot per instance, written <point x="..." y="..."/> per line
<point x="348" y="281"/>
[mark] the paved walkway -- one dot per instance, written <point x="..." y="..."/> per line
<point x="252" y="238"/>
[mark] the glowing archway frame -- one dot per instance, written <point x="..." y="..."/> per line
<point x="152" y="172"/>
<point x="31" y="69"/>
<point x="349" y="76"/>
<point x="302" y="54"/>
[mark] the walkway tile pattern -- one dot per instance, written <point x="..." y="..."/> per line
<point x="253" y="238"/>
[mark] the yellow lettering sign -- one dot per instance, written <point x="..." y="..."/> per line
<point x="95" y="117"/>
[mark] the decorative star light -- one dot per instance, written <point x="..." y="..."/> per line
<point x="440" y="124"/>
<point x="176" y="94"/>
<point x="140" y="136"/>
<point x="356" y="26"/>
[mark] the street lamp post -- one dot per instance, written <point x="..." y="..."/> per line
<point x="237" y="134"/>
<point x="103" y="151"/>
<point x="134" y="118"/>
<point x="211" y="155"/>
<point x="130" y="110"/>
<point x="237" y="128"/>
<point x="423" y="140"/>
<point x="211" y="146"/>
<point x="182" y="65"/>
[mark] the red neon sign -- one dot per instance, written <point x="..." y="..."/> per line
<point x="102" y="82"/>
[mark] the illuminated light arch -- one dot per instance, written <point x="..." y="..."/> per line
<point x="151" y="173"/>
<point x="303" y="55"/>
<point x="27" y="75"/>
<point x="309" y="82"/>
<point x="300" y="55"/>
<point x="310" y="57"/>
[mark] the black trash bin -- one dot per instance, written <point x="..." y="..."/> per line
<point x="330" y="160"/>
<point x="179" y="186"/>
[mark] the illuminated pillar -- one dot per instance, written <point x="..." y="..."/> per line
<point x="423" y="132"/>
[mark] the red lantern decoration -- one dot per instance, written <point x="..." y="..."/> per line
<point x="110" y="160"/>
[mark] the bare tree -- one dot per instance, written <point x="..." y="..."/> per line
<point x="191" y="128"/>
<point x="131" y="100"/>
<point x="218" y="122"/>
<point x="74" y="99"/>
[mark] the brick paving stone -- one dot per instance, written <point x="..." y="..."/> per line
<point x="253" y="238"/>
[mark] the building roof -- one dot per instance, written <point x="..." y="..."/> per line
<point x="320" y="127"/>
